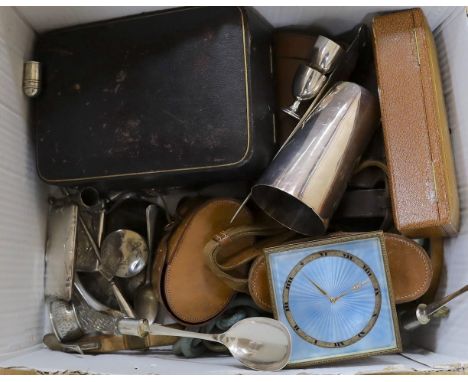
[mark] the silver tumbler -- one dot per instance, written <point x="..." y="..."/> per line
<point x="305" y="182"/>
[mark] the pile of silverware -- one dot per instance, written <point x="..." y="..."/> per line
<point x="100" y="295"/>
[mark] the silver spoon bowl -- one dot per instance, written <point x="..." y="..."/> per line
<point x="259" y="343"/>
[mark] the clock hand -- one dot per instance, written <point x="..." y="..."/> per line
<point x="354" y="288"/>
<point x="320" y="289"/>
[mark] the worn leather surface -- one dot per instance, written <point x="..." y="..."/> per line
<point x="417" y="141"/>
<point x="436" y="251"/>
<point x="259" y="288"/>
<point x="179" y="96"/>
<point x="192" y="293"/>
<point x="230" y="253"/>
<point x="410" y="268"/>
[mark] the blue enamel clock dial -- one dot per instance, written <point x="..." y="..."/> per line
<point x="331" y="299"/>
<point x="334" y="297"/>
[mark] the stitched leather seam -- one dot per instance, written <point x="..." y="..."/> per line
<point x="425" y="261"/>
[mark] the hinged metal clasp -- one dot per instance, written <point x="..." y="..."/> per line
<point x="32" y="78"/>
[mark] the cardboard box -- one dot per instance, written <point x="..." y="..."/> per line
<point x="441" y="346"/>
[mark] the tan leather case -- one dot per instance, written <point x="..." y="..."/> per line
<point x="410" y="268"/>
<point x="417" y="140"/>
<point x="192" y="293"/>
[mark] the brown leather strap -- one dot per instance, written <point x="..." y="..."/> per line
<point x="227" y="252"/>
<point x="367" y="203"/>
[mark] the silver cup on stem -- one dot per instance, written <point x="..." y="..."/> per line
<point x="306" y="85"/>
<point x="326" y="54"/>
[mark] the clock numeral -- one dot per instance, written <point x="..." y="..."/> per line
<point x="376" y="291"/>
<point x="296" y="328"/>
<point x="367" y="270"/>
<point x="362" y="334"/>
<point x="323" y="253"/>
<point x="374" y="315"/>
<point x="347" y="256"/>
<point x="339" y="344"/>
<point x="286" y="306"/>
<point x="288" y="282"/>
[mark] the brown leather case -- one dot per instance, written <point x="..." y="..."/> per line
<point x="417" y="140"/>
<point x="192" y="293"/>
<point x="410" y="268"/>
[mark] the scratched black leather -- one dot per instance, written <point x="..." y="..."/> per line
<point x="156" y="99"/>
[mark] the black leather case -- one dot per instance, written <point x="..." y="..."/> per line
<point x="177" y="97"/>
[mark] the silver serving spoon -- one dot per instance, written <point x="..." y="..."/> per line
<point x="145" y="300"/>
<point x="259" y="343"/>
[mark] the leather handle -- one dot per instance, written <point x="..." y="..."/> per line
<point x="242" y="239"/>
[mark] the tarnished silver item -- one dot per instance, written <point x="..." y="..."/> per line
<point x="64" y="320"/>
<point x="146" y="301"/>
<point x="326" y="53"/>
<point x="53" y="343"/>
<point x="259" y="343"/>
<point x="60" y="251"/>
<point x="86" y="260"/>
<point x="81" y="291"/>
<point x="73" y="320"/>
<point x="108" y="273"/>
<point x="423" y="314"/>
<point x="306" y="85"/>
<point x="92" y="321"/>
<point x="304" y="183"/>
<point x="126" y="251"/>
<point x="133" y="327"/>
<point x="32" y="78"/>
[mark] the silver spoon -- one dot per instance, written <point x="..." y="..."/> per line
<point x="145" y="300"/>
<point x="259" y="343"/>
<point x="108" y="271"/>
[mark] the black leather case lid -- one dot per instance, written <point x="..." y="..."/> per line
<point x="153" y="93"/>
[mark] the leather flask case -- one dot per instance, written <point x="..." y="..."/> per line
<point x="191" y="292"/>
<point x="419" y="155"/>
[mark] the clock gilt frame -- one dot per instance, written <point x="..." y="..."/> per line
<point x="338" y="239"/>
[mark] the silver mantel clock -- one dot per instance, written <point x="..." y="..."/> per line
<point x="335" y="297"/>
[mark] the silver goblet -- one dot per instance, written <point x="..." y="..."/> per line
<point x="306" y="85"/>
<point x="326" y="53"/>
